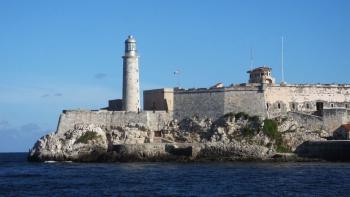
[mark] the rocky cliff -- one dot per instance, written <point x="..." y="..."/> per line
<point x="231" y="137"/>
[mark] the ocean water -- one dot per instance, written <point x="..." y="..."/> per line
<point x="21" y="178"/>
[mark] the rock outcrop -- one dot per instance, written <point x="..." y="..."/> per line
<point x="231" y="137"/>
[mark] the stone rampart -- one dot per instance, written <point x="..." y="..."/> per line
<point x="334" y="117"/>
<point x="201" y="103"/>
<point x="264" y="100"/>
<point x="216" y="102"/>
<point x="151" y="120"/>
<point x="308" y="121"/>
<point x="248" y="99"/>
<point x="282" y="99"/>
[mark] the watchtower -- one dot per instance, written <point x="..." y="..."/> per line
<point x="261" y="75"/>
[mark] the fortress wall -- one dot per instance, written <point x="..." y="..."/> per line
<point x="158" y="119"/>
<point x="304" y="97"/>
<point x="153" y="121"/>
<point x="333" y="118"/>
<point x="308" y="121"/>
<point x="159" y="99"/>
<point x="245" y="99"/>
<point x="201" y="103"/>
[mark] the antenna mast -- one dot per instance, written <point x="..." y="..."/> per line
<point x="282" y="59"/>
<point x="251" y="59"/>
<point x="177" y="73"/>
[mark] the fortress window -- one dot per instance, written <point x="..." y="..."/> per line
<point x="346" y="106"/>
<point x="332" y="105"/>
<point x="307" y="106"/>
<point x="279" y="106"/>
<point x="267" y="106"/>
<point x="293" y="106"/>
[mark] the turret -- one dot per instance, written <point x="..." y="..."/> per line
<point x="131" y="86"/>
<point x="261" y="75"/>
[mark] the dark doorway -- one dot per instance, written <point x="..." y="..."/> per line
<point x="165" y="105"/>
<point x="153" y="107"/>
<point x="319" y="108"/>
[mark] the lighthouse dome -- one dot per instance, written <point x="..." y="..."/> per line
<point x="130" y="39"/>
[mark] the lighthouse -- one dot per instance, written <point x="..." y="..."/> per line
<point x="131" y="84"/>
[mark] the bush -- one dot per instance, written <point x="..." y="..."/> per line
<point x="87" y="136"/>
<point x="282" y="149"/>
<point x="247" y="131"/>
<point x="271" y="130"/>
<point x="241" y="115"/>
<point x="254" y="118"/>
<point x="229" y="115"/>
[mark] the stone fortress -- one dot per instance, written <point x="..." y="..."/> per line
<point x="323" y="106"/>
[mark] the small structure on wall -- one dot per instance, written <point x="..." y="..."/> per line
<point x="261" y="75"/>
<point x="158" y="99"/>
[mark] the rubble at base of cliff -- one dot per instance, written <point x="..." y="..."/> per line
<point x="233" y="137"/>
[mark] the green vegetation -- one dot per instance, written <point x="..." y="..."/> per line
<point x="271" y="130"/>
<point x="254" y="118"/>
<point x="247" y="131"/>
<point x="282" y="149"/>
<point x="241" y="115"/>
<point x="229" y="116"/>
<point x="87" y="136"/>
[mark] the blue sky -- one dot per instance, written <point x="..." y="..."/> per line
<point x="57" y="55"/>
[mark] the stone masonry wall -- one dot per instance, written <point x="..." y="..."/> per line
<point x="248" y="99"/>
<point x="214" y="103"/>
<point x="308" y="121"/>
<point x="333" y="118"/>
<point x="281" y="99"/>
<point x="158" y="99"/>
<point x="153" y="121"/>
<point x="201" y="103"/>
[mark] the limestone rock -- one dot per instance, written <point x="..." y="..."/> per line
<point x="231" y="137"/>
<point x="83" y="142"/>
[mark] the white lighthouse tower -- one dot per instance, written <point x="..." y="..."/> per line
<point x="131" y="86"/>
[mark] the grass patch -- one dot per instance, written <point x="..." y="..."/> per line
<point x="87" y="136"/>
<point x="271" y="130"/>
<point x="282" y="149"/>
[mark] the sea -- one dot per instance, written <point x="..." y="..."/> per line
<point x="18" y="177"/>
